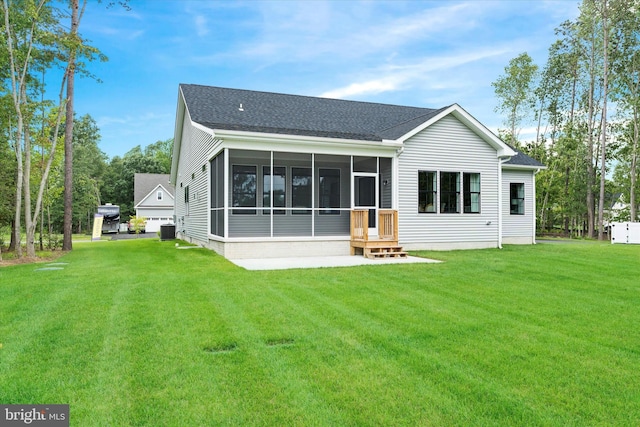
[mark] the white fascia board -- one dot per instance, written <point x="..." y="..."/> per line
<point x="304" y="144"/>
<point x="502" y="149"/>
<point x="177" y="137"/>
<point x="139" y="205"/>
<point x="523" y="167"/>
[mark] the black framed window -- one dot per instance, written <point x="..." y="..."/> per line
<point x="279" y="177"/>
<point x="471" y="194"/>
<point x="329" y="191"/>
<point x="427" y="191"/>
<point x="449" y="192"/>
<point x="516" y="195"/>
<point x="244" y="189"/>
<point x="301" y="190"/>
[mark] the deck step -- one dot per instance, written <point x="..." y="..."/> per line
<point x="384" y="252"/>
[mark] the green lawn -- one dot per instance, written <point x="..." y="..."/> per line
<point x="138" y="332"/>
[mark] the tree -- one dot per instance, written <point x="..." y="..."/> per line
<point x="89" y="167"/>
<point x="35" y="40"/>
<point x="514" y="90"/>
<point x="625" y="87"/>
<point x="594" y="63"/>
<point x="138" y="223"/>
<point x="25" y="27"/>
<point x="162" y="152"/>
<point x="73" y="46"/>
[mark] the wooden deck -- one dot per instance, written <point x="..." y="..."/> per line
<point x="385" y="244"/>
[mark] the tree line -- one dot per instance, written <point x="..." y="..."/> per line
<point x="584" y="107"/>
<point x="52" y="173"/>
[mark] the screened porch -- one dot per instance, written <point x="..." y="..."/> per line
<point x="273" y="194"/>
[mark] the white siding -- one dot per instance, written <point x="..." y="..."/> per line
<point x="195" y="150"/>
<point x="518" y="228"/>
<point x="449" y="146"/>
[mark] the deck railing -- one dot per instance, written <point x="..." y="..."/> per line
<point x="387" y="224"/>
<point x="360" y="224"/>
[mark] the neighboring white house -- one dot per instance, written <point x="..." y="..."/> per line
<point x="268" y="175"/>
<point x="154" y="199"/>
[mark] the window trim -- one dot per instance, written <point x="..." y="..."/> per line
<point x="520" y="205"/>
<point x="186" y="199"/>
<point x="433" y="192"/>
<point x="443" y="193"/>
<point x="466" y="191"/>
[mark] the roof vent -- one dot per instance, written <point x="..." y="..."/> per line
<point x="240" y="109"/>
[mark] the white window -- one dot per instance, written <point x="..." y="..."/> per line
<point x="159" y="195"/>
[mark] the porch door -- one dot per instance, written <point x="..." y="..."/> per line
<point x="365" y="195"/>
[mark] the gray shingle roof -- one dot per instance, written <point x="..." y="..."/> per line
<point x="522" y="159"/>
<point x="218" y="108"/>
<point x="267" y="112"/>
<point x="144" y="183"/>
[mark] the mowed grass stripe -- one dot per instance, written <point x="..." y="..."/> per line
<point x="538" y="335"/>
<point x="289" y="395"/>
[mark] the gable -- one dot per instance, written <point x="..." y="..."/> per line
<point x="158" y="197"/>
<point x="144" y="183"/>
<point x="503" y="150"/>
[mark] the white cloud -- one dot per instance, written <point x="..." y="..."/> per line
<point x="369" y="87"/>
<point x="395" y="77"/>
<point x="200" y="22"/>
<point x="309" y="30"/>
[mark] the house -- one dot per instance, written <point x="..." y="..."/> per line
<point x="269" y="175"/>
<point x="153" y="198"/>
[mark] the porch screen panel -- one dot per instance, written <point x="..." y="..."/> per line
<point x="245" y="193"/>
<point x="274" y="183"/>
<point x="329" y="191"/>
<point x="244" y="187"/>
<point x="386" y="185"/>
<point x="365" y="164"/>
<point x="301" y="191"/>
<point x="332" y="195"/>
<point x="216" y="167"/>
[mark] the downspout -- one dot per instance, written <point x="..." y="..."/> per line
<point x="395" y="189"/>
<point x="500" y="190"/>
<point x="533" y="221"/>
<point x="395" y="204"/>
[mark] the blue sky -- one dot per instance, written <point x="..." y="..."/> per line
<point x="418" y="53"/>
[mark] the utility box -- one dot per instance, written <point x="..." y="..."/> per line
<point x="167" y="232"/>
<point x="625" y="232"/>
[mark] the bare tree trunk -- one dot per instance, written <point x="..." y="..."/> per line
<point x="29" y="224"/>
<point x="634" y="161"/>
<point x="68" y="137"/>
<point x="18" y="74"/>
<point x="591" y="175"/>
<point x="603" y="132"/>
